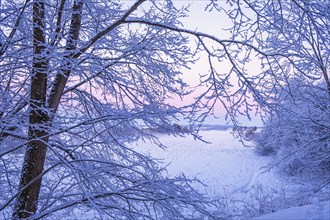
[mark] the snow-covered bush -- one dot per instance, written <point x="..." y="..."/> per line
<point x="298" y="132"/>
<point x="250" y="133"/>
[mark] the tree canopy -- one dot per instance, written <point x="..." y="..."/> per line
<point x="80" y="79"/>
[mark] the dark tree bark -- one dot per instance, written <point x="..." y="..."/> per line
<point x="33" y="164"/>
<point x="39" y="120"/>
<point x="62" y="78"/>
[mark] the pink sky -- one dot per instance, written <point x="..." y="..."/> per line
<point x="211" y="22"/>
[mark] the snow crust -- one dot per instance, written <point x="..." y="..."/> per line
<point x="318" y="211"/>
<point x="231" y="170"/>
<point x="223" y="164"/>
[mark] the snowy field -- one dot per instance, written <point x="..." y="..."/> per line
<point x="235" y="175"/>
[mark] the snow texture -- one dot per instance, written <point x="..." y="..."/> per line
<point x="222" y="164"/>
<point x="318" y="211"/>
<point x="233" y="171"/>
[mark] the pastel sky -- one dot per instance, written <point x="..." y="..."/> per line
<point x="211" y="22"/>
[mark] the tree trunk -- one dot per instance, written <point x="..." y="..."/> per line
<point x="35" y="155"/>
<point x="39" y="120"/>
<point x="71" y="46"/>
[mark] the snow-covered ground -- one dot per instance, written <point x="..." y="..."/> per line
<point x="222" y="164"/>
<point x="318" y="211"/>
<point x="231" y="172"/>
